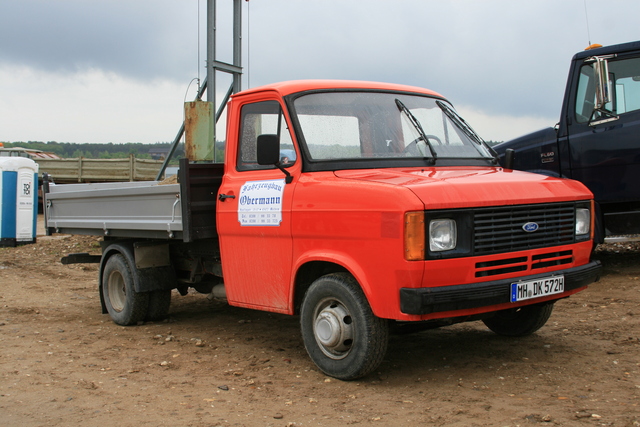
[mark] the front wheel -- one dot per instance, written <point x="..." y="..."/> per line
<point x="340" y="332"/>
<point x="521" y="321"/>
<point x="124" y="304"/>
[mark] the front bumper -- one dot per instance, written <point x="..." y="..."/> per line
<point x="476" y="295"/>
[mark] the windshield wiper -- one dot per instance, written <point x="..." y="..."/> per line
<point x="416" y="124"/>
<point x="465" y="127"/>
<point x="462" y="124"/>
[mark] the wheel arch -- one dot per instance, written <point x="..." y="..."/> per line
<point x="313" y="268"/>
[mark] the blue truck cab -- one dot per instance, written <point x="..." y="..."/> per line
<point x="597" y="140"/>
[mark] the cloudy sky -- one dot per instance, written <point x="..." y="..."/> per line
<point x="119" y="70"/>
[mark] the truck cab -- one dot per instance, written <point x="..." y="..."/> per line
<point x="597" y="140"/>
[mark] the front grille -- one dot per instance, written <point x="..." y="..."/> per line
<point x="501" y="266"/>
<point x="551" y="259"/>
<point x="500" y="229"/>
<point x="523" y="263"/>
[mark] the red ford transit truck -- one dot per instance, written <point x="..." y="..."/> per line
<point x="354" y="205"/>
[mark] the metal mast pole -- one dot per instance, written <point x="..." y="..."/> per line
<point x="213" y="66"/>
<point x="211" y="57"/>
<point x="237" y="45"/>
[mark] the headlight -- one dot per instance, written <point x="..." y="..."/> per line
<point x="583" y="221"/>
<point x="442" y="235"/>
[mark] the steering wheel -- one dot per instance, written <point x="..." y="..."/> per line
<point x="412" y="147"/>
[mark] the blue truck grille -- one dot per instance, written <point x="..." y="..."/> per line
<point x="502" y="229"/>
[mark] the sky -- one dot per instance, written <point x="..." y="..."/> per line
<point x="120" y="70"/>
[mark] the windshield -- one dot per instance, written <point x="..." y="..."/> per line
<point x="360" y="125"/>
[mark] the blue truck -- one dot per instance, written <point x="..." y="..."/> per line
<point x="597" y="140"/>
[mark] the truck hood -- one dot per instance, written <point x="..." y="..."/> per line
<point x="460" y="187"/>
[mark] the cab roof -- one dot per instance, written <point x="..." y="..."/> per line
<point x="607" y="50"/>
<point x="296" y="86"/>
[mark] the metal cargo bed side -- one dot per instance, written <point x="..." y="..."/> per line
<point x="146" y="209"/>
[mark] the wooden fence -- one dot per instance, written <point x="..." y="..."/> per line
<point x="99" y="170"/>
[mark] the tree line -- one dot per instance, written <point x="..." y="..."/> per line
<point x="113" y="151"/>
<point x="97" y="150"/>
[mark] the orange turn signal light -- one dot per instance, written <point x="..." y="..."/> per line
<point x="414" y="236"/>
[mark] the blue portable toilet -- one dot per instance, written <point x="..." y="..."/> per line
<point x="18" y="201"/>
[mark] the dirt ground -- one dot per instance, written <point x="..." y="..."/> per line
<point x="62" y="362"/>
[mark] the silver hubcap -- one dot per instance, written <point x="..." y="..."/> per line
<point x="333" y="329"/>
<point x="117" y="291"/>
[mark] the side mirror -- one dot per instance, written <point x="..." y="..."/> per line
<point x="603" y="90"/>
<point x="509" y="158"/>
<point x="268" y="153"/>
<point x="268" y="149"/>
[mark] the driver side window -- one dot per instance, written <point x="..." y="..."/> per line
<point x="257" y="119"/>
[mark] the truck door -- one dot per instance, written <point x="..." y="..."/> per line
<point x="254" y="211"/>
<point x="605" y="155"/>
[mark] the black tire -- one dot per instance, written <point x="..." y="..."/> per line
<point x="124" y="304"/>
<point x="340" y="332"/>
<point x="159" y="303"/>
<point x="521" y="321"/>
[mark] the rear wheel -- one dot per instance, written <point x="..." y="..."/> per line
<point x="521" y="321"/>
<point x="341" y="334"/>
<point x="124" y="304"/>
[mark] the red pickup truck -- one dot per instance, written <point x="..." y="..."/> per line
<point x="354" y="205"/>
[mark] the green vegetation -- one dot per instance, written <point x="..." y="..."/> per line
<point x="148" y="151"/>
<point x="99" y="151"/>
<point x="334" y="151"/>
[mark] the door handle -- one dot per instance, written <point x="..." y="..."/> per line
<point x="223" y="197"/>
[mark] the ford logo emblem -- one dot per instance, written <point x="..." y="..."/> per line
<point x="530" y="227"/>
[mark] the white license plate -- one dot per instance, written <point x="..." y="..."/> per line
<point x="537" y="288"/>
